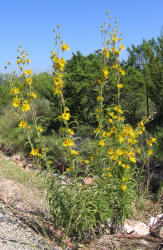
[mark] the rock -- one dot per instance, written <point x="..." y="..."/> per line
<point x="161" y="233"/>
<point x="136" y="227"/>
<point x="17" y="157"/>
<point x="29" y="167"/>
<point x="154" y="220"/>
<point x="160" y="216"/>
<point x="55" y="175"/>
<point x="88" y="181"/>
<point x="148" y="204"/>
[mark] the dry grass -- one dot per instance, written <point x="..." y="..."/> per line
<point x="23" y="191"/>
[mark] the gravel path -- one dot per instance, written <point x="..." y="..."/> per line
<point x="14" y="235"/>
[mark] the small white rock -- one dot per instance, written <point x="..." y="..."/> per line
<point x="161" y="233"/>
<point x="153" y="221"/>
<point x="136" y="227"/>
<point x="160" y="216"/>
<point x="144" y="242"/>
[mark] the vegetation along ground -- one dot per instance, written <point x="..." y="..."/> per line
<point x="92" y="133"/>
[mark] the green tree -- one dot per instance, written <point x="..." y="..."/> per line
<point x="81" y="77"/>
<point x="147" y="59"/>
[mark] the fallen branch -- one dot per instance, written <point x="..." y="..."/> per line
<point x="138" y="236"/>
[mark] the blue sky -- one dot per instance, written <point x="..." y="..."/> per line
<point x="31" y="22"/>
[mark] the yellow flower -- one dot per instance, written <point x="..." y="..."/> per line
<point x="16" y="102"/>
<point x="115" y="39"/>
<point x="121" y="118"/>
<point x="119" y="152"/>
<point x="57" y="90"/>
<point x="28" y="81"/>
<point x="108" y="175"/>
<point x="91" y="158"/>
<point x="28" y="72"/>
<point x="68" y="143"/>
<point x="120" y="138"/>
<point x="104" y="133"/>
<point x="86" y="161"/>
<point x="25" y="107"/>
<point x="150" y="152"/>
<point x="65" y="116"/>
<point x="105" y="73"/>
<point x="125" y="166"/>
<point x="100" y="81"/>
<point x="19" y="61"/>
<point x="122" y="72"/>
<point x="109" y="133"/>
<point x="43" y="150"/>
<point x="74" y="152"/>
<point x="23" y="124"/>
<point x="69" y="169"/>
<point x="138" y="151"/>
<point x="113" y="130"/>
<point x="34" y="152"/>
<point x="115" y="66"/>
<point x="100" y="98"/>
<point x="58" y="81"/>
<point x="110" y="120"/>
<point x="153" y="139"/>
<point x="117" y="51"/>
<point x="119" y="86"/>
<point x="70" y="131"/>
<point x="40" y="155"/>
<point x="96" y="130"/>
<point x="53" y="54"/>
<point x="62" y="62"/>
<point x="122" y="47"/>
<point x="132" y="159"/>
<point x="40" y="128"/>
<point x="141" y="124"/>
<point x="34" y="95"/>
<point x="56" y="62"/>
<point x="149" y="142"/>
<point x="120" y="162"/>
<point x="65" y="47"/>
<point x="101" y="143"/>
<point x="14" y="91"/>
<point x="106" y="52"/>
<point x="131" y="141"/>
<point x="124" y="179"/>
<point x="111" y="114"/>
<point x="49" y="162"/>
<point x="110" y="151"/>
<point x="27" y="60"/>
<point x="118" y="109"/>
<point x="123" y="187"/>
